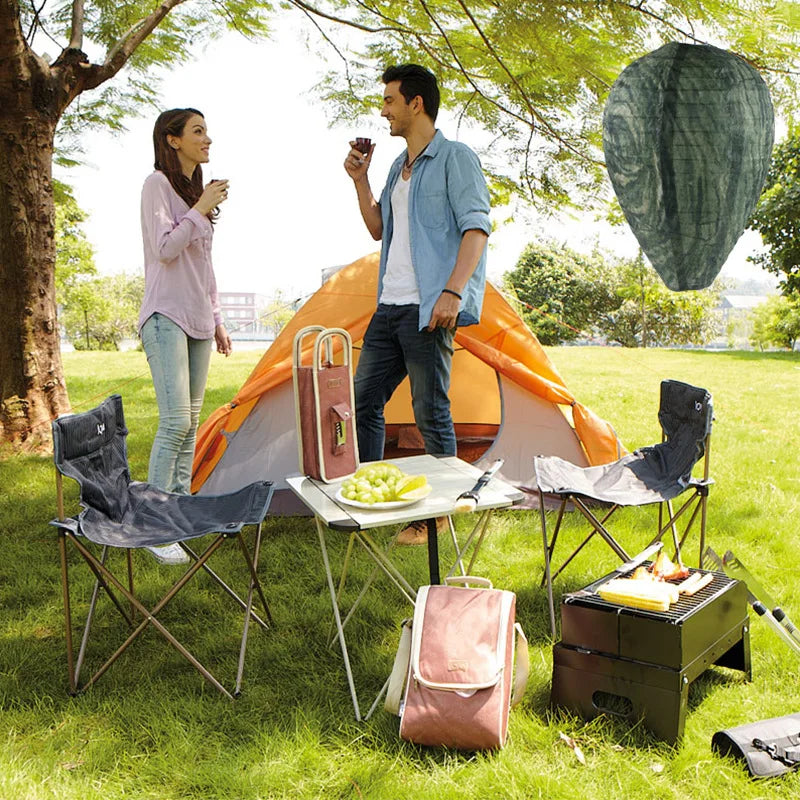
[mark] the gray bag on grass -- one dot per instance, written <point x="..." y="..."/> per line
<point x="770" y="747"/>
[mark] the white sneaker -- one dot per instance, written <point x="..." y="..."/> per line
<point x="169" y="554"/>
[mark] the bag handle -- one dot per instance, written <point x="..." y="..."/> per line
<point x="523" y="664"/>
<point x="399" y="674"/>
<point x="397" y="678"/>
<point x="325" y="338"/>
<point x="484" y="583"/>
<point x="297" y="344"/>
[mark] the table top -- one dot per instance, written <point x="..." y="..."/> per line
<point x="448" y="477"/>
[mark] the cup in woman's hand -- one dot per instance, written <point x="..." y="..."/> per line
<point x="363" y="144"/>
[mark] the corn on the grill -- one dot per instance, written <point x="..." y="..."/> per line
<point x="637" y="594"/>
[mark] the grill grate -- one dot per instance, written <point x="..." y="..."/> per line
<point x="677" y="613"/>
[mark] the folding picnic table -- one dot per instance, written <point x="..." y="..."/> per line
<point x="448" y="477"/>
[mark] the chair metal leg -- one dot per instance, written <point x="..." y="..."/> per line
<point x="247" y="612"/>
<point x="703" y="506"/>
<point x="601" y="529"/>
<point x="89" y="619"/>
<point x="674" y="517"/>
<point x="596" y="524"/>
<point x="150" y="615"/>
<point x="224" y="586"/>
<point x="251" y="565"/>
<point x="547" y="576"/>
<point x="129" y="564"/>
<point x="62" y="549"/>
<point x="93" y="564"/>
<point x="673" y="529"/>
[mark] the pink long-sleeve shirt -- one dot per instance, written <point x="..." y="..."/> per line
<point x="179" y="279"/>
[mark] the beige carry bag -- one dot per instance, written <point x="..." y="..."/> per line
<point x="456" y="661"/>
<point x="325" y="404"/>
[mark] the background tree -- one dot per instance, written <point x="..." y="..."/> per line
<point x="100" y="312"/>
<point x="566" y="296"/>
<point x="74" y="252"/>
<point x="277" y="313"/>
<point x="651" y="315"/>
<point x="534" y="73"/>
<point x="562" y="293"/>
<point x="776" y="323"/>
<point x="777" y="215"/>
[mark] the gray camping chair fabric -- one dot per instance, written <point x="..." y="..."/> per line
<point x="121" y="513"/>
<point x="656" y="474"/>
<point x="651" y="474"/>
<point x="90" y="448"/>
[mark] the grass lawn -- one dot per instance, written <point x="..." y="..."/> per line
<point x="152" y="728"/>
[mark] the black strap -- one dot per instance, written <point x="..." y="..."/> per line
<point x="788" y="756"/>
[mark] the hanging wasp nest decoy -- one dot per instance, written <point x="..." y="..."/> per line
<point x="687" y="135"/>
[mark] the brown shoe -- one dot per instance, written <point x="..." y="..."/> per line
<point x="417" y="532"/>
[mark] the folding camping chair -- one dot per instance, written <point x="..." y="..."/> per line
<point x="119" y="513"/>
<point x="655" y="474"/>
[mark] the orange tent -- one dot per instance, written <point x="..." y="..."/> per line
<point x="507" y="399"/>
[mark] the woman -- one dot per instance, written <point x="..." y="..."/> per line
<point x="180" y="315"/>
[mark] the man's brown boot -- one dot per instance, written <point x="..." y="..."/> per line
<point x="417" y="532"/>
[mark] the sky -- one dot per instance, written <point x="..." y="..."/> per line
<point x="292" y="210"/>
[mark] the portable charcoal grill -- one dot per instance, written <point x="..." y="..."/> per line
<point x="638" y="664"/>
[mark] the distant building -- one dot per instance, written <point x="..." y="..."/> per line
<point x="242" y="314"/>
<point x="735" y="324"/>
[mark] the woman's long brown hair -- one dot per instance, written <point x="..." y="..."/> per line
<point x="173" y="123"/>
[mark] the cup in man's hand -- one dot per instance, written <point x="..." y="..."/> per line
<point x="363" y="144"/>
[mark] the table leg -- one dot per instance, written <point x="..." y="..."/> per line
<point x="479" y="529"/>
<point x="433" y="552"/>
<point x="337" y="617"/>
<point x="382" y="562"/>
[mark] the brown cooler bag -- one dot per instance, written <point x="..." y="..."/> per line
<point x="457" y="658"/>
<point x="325" y="405"/>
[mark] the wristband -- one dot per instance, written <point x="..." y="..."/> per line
<point x="450" y="291"/>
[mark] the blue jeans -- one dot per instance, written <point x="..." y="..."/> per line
<point x="393" y="348"/>
<point x="179" y="366"/>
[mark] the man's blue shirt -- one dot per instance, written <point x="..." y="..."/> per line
<point x="447" y="197"/>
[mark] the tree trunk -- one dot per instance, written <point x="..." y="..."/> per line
<point x="32" y="389"/>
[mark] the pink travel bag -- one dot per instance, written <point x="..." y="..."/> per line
<point x="457" y="660"/>
<point x="325" y="405"/>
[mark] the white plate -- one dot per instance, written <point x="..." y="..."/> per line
<point x="380" y="506"/>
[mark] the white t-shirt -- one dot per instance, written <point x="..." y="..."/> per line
<point x="399" y="280"/>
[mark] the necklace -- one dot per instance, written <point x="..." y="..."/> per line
<point x="408" y="164"/>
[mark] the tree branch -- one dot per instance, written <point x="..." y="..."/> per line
<point x="16" y="55"/>
<point x="76" y="27"/>
<point x="309" y="9"/>
<point x="536" y="117"/>
<point x="119" y="54"/>
<point x="639" y="8"/>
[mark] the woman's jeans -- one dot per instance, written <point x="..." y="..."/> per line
<point x="179" y="366"/>
<point x="393" y="348"/>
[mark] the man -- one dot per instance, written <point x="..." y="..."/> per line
<point x="433" y="220"/>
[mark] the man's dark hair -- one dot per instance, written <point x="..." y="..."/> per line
<point x="416" y="80"/>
